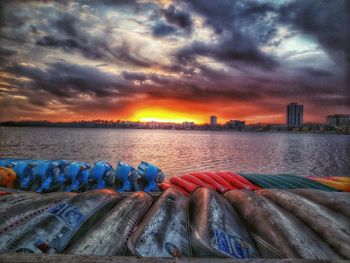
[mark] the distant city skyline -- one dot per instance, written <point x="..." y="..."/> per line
<point x="173" y="60"/>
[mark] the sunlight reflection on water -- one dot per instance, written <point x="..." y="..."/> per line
<point x="178" y="152"/>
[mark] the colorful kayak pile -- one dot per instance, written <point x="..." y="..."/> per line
<point x="266" y="223"/>
<point x="225" y="181"/>
<point x="43" y="176"/>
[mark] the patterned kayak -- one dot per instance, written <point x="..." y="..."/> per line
<point x="266" y="223"/>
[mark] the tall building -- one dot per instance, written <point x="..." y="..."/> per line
<point x="213" y="120"/>
<point x="339" y="120"/>
<point x="295" y="114"/>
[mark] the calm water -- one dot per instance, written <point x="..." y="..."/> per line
<point x="177" y="152"/>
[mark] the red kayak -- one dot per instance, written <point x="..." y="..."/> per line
<point x="165" y="185"/>
<point x="234" y="181"/>
<point x="242" y="180"/>
<point x="207" y="179"/>
<point x="220" y="180"/>
<point x="195" y="180"/>
<point x="186" y="185"/>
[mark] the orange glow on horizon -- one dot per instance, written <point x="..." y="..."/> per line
<point x="165" y="115"/>
<point x="166" y="110"/>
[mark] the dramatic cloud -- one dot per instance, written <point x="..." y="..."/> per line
<point x="328" y="21"/>
<point x="237" y="48"/>
<point x="161" y="30"/>
<point x="178" y="18"/>
<point x="5" y="53"/>
<point x="71" y="60"/>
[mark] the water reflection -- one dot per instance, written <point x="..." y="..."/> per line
<point x="177" y="152"/>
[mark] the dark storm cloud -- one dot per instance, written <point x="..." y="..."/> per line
<point x="33" y="29"/>
<point x="238" y="48"/>
<point x="229" y="15"/>
<point x="96" y="49"/>
<point x="316" y="72"/>
<point x="10" y="19"/>
<point x="327" y="21"/>
<point x="161" y="30"/>
<point x="66" y="24"/>
<point x="71" y="45"/>
<point x="115" y="2"/>
<point x="218" y="86"/>
<point x="238" y="42"/>
<point x="73" y="36"/>
<point x="192" y="91"/>
<point x="4" y="52"/>
<point x="173" y="19"/>
<point x="246" y="25"/>
<point x="50" y="41"/>
<point x="134" y="76"/>
<point x="68" y="80"/>
<point x="178" y="18"/>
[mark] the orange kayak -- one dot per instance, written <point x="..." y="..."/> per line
<point x="343" y="179"/>
<point x="339" y="185"/>
<point x="7" y="177"/>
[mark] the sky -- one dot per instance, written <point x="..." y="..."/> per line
<point x="173" y="60"/>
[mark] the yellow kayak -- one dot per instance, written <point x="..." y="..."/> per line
<point x="343" y="179"/>
<point x="338" y="182"/>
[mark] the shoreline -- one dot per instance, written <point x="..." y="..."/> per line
<point x="208" y="130"/>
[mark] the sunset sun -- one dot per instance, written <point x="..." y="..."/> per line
<point x="164" y="115"/>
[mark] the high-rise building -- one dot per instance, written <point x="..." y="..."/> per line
<point x="213" y="120"/>
<point x="339" y="120"/>
<point x="295" y="114"/>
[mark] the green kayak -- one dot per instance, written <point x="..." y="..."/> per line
<point x="261" y="182"/>
<point x="308" y="182"/>
<point x="285" y="181"/>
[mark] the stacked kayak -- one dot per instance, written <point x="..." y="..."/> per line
<point x="266" y="223"/>
<point x="43" y="176"/>
<point x="220" y="181"/>
<point x="225" y="181"/>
